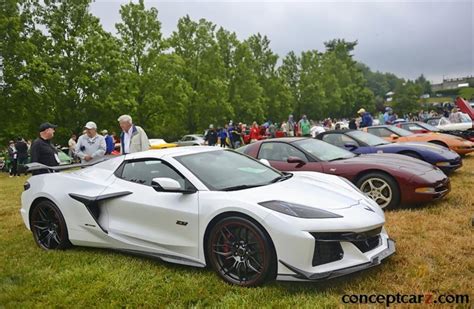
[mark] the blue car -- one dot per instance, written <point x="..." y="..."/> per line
<point x="361" y="142"/>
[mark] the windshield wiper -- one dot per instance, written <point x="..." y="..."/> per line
<point x="240" y="187"/>
<point x="282" y="178"/>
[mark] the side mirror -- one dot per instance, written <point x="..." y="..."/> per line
<point x="394" y="136"/>
<point x="297" y="160"/>
<point x="168" y="185"/>
<point x="350" y="146"/>
<point x="265" y="161"/>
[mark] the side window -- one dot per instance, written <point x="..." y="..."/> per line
<point x="143" y="172"/>
<point x="339" y="140"/>
<point x="373" y="131"/>
<point x="381" y="132"/>
<point x="334" y="139"/>
<point x="279" y="152"/>
<point x="385" y="133"/>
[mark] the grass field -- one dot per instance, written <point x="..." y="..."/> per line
<point x="435" y="255"/>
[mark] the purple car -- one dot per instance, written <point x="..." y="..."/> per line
<point x="362" y="142"/>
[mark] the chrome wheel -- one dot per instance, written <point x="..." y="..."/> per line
<point x="378" y="190"/>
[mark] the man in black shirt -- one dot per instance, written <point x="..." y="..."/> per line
<point x="211" y="136"/>
<point x="42" y="151"/>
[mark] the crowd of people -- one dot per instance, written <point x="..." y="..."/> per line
<point x="234" y="136"/>
<point x="88" y="147"/>
<point x="92" y="146"/>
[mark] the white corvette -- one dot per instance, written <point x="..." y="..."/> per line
<point x="207" y="206"/>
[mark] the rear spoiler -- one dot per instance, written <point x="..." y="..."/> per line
<point x="35" y="166"/>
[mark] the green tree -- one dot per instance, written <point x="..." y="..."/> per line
<point x="76" y="70"/>
<point x="406" y="98"/>
<point x="196" y="44"/>
<point x="277" y="102"/>
<point x="424" y="84"/>
<point x="245" y="93"/>
<point x="289" y="73"/>
<point x="22" y="66"/>
<point x="142" y="44"/>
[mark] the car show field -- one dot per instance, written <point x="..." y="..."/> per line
<point x="434" y="242"/>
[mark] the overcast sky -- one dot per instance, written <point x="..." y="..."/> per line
<point x="403" y="37"/>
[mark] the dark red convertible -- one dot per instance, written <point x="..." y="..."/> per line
<point x="389" y="179"/>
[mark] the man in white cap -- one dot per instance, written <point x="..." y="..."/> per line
<point x="133" y="138"/>
<point x="90" y="146"/>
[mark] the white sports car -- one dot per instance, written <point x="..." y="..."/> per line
<point x="207" y="206"/>
<point x="444" y="124"/>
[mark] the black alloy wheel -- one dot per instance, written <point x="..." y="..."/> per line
<point x="48" y="226"/>
<point x="241" y="253"/>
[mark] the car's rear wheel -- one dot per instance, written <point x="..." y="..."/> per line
<point x="240" y="252"/>
<point x="381" y="188"/>
<point x="48" y="226"/>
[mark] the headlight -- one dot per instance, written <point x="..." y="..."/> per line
<point x="443" y="164"/>
<point x="299" y="211"/>
<point x="425" y="190"/>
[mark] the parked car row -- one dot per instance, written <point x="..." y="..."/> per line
<point x="398" y="135"/>
<point x="291" y="208"/>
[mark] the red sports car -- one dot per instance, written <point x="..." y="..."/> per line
<point x="389" y="179"/>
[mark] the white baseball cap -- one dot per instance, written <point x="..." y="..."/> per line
<point x="90" y="125"/>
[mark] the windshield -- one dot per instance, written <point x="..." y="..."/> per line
<point x="465" y="118"/>
<point x="322" y="150"/>
<point x="399" y="131"/>
<point x="367" y="138"/>
<point x="222" y="170"/>
<point x="429" y="127"/>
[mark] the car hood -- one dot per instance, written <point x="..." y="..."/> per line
<point x="391" y="161"/>
<point x="310" y="189"/>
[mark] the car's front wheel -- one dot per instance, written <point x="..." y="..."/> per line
<point x="241" y="252"/>
<point x="48" y="226"/>
<point x="382" y="188"/>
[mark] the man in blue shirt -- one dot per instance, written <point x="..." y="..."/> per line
<point x="366" y="118"/>
<point x="109" y="142"/>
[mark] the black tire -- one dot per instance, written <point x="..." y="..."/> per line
<point x="439" y="143"/>
<point x="241" y="252"/>
<point x="380" y="187"/>
<point x="49" y="227"/>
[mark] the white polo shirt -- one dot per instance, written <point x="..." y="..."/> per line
<point x="127" y="137"/>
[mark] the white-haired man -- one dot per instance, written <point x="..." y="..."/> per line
<point x="133" y="138"/>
